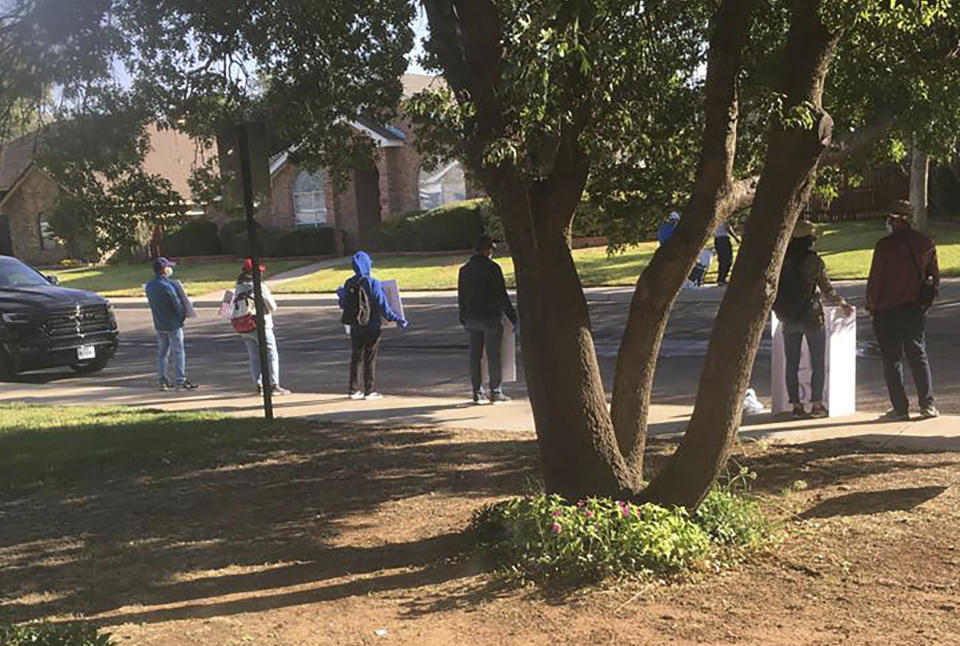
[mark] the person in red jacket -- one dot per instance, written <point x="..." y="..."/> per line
<point x="904" y="267"/>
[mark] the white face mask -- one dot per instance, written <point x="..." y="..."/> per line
<point x="168" y="271"/>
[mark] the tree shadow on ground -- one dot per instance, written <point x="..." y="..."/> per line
<point x="270" y="513"/>
<point x="825" y="462"/>
<point x="872" y="502"/>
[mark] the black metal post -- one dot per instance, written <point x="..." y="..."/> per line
<point x="247" y="181"/>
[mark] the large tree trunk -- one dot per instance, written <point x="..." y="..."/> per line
<point x="788" y="172"/>
<point x="660" y="282"/>
<point x="578" y="448"/>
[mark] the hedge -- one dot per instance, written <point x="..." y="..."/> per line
<point x="318" y="241"/>
<point x="456" y="225"/>
<point x="197" y="237"/>
<point x="451" y="227"/>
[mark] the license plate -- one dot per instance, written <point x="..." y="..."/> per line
<point x="86" y="352"/>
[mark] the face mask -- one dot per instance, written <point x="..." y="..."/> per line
<point x="889" y="226"/>
<point x="168" y="271"/>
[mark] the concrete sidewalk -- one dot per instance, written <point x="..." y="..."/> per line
<point x="941" y="434"/>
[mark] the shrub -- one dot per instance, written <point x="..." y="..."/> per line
<point x="229" y="233"/>
<point x="273" y="243"/>
<point x="732" y="519"/>
<point x="316" y="241"/>
<point x="543" y="538"/>
<point x="730" y="516"/>
<point x="451" y="227"/>
<point x="197" y="237"/>
<point x="45" y="634"/>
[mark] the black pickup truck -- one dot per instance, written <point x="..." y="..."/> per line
<point x="43" y="325"/>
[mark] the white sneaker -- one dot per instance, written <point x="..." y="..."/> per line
<point x="752" y="405"/>
<point x="356" y="395"/>
<point x="373" y="395"/>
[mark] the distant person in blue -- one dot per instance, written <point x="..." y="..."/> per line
<point x="364" y="307"/>
<point x="168" y="313"/>
<point x="667" y="228"/>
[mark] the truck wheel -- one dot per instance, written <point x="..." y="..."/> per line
<point x="90" y="367"/>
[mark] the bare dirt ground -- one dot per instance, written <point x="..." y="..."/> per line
<point x="351" y="536"/>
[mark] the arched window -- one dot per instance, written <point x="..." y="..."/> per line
<point x="45" y="233"/>
<point x="309" y="199"/>
<point x="445" y="183"/>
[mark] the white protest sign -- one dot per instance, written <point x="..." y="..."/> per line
<point x="188" y="310"/>
<point x="391" y="291"/>
<point x="840" y="365"/>
<point x="508" y="355"/>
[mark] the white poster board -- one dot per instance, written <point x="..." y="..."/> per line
<point x="188" y="310"/>
<point x="840" y="365"/>
<point x="391" y="291"/>
<point x="508" y="355"/>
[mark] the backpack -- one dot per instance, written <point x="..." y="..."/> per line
<point x="244" y="316"/>
<point x="357" y="308"/>
<point x="794" y="296"/>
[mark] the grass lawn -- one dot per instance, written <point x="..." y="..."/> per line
<point x="845" y="247"/>
<point x="128" y="279"/>
<point x="182" y="528"/>
<point x="56" y="446"/>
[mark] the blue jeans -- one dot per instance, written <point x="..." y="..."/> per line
<point x="792" y="345"/>
<point x="253" y="352"/>
<point x="171" y="342"/>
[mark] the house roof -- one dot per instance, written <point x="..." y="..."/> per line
<point x="384" y="134"/>
<point x="15" y="158"/>
<point x="414" y="83"/>
<point x="173" y="155"/>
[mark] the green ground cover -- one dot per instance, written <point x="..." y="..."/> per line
<point x="846" y="248"/>
<point x="128" y="279"/>
<point x="43" y="446"/>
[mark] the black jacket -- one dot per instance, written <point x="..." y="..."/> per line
<point x="482" y="292"/>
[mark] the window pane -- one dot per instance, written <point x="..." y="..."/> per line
<point x="309" y="199"/>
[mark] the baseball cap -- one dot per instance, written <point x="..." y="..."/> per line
<point x="162" y="263"/>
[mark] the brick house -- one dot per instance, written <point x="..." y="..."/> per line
<point x="28" y="193"/>
<point x="393" y="182"/>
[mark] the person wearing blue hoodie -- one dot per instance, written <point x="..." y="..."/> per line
<point x="364" y="307"/>
<point x="168" y="315"/>
<point x="665" y="232"/>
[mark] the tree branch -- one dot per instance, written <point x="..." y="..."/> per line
<point x="743" y="191"/>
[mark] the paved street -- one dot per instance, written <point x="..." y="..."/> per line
<point x="429" y="359"/>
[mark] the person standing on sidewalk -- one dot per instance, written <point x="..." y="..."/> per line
<point x="364" y="307"/>
<point x="802" y="288"/>
<point x="904" y="278"/>
<point x="168" y="313"/>
<point x="724" y="248"/>
<point x="244" y="323"/>
<point x="482" y="299"/>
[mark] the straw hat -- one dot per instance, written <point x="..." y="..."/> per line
<point x="803" y="229"/>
